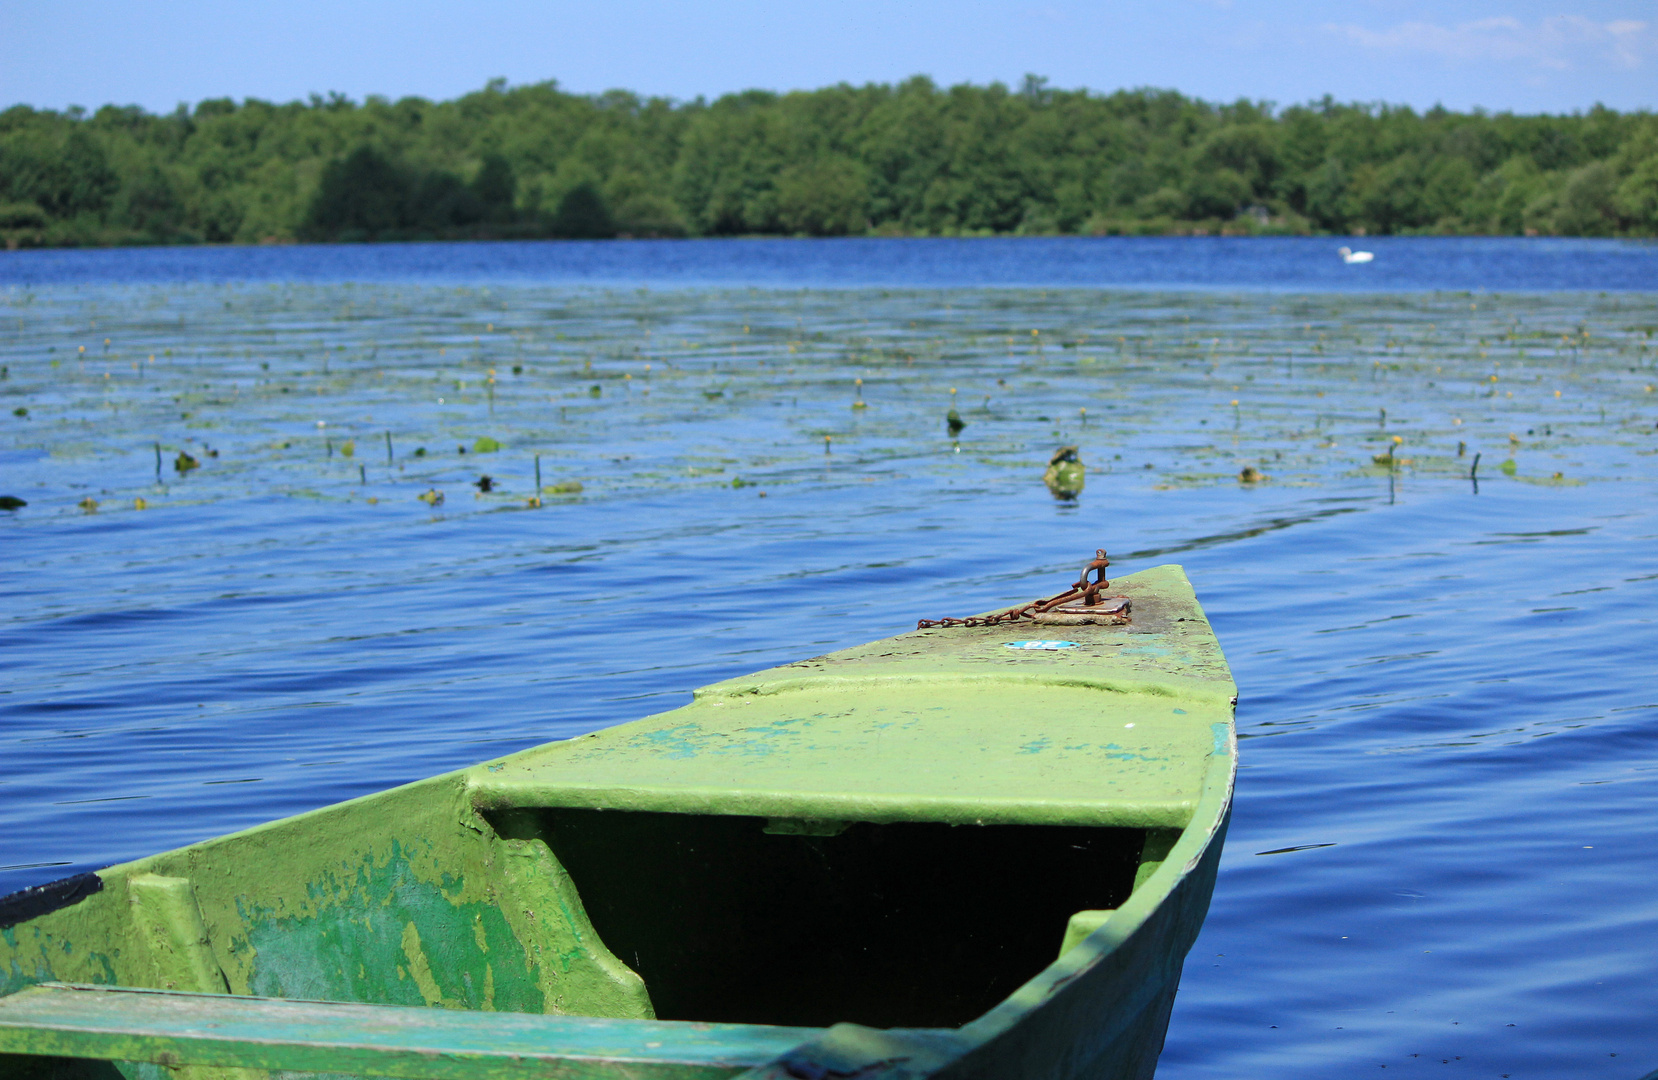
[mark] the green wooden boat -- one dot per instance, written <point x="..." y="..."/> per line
<point x="934" y="855"/>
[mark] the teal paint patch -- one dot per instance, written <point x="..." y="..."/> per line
<point x="1144" y="651"/>
<point x="762" y="741"/>
<point x="143" y="1070"/>
<point x="678" y="742"/>
<point x="567" y="959"/>
<point x="356" y="944"/>
<point x="94" y="968"/>
<point x="1182" y="712"/>
<point x="1222" y="742"/>
<point x="12" y="979"/>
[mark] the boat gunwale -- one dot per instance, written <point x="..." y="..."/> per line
<point x="861" y="807"/>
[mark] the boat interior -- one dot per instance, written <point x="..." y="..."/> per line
<point x="806" y="923"/>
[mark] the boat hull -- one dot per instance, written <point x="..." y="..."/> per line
<point x="861" y="864"/>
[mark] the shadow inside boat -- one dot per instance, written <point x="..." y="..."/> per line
<point x="809" y="923"/>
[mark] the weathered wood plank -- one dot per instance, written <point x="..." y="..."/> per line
<point x="169" y="1028"/>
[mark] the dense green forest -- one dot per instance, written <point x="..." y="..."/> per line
<point x="914" y="159"/>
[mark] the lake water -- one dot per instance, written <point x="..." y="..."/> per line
<point x="1410" y="264"/>
<point x="1441" y="856"/>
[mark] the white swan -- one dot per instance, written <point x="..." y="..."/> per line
<point x="1348" y="255"/>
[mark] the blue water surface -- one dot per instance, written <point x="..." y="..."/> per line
<point x="1446" y="817"/>
<point x="1279" y="263"/>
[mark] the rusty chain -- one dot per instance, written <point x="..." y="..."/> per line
<point x="1088" y="591"/>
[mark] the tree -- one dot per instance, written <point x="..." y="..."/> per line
<point x="440" y="202"/>
<point x="65" y="176"/>
<point x="1217" y="193"/>
<point x="1637" y="194"/>
<point x="583" y="215"/>
<point x="363" y="194"/>
<point x="1326" y="196"/>
<point x="149" y="203"/>
<point x="913" y="157"/>
<point x="495" y="187"/>
<point x="827" y="197"/>
<point x="1587" y="202"/>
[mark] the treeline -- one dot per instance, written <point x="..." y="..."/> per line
<point x="910" y="159"/>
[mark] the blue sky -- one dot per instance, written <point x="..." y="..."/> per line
<point x="1523" y="56"/>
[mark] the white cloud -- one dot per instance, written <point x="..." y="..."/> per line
<point x="1559" y="43"/>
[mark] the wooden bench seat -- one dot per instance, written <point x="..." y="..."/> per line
<point x="64" y="1020"/>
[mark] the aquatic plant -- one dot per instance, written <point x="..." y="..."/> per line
<point x="1312" y="376"/>
<point x="1065" y="474"/>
